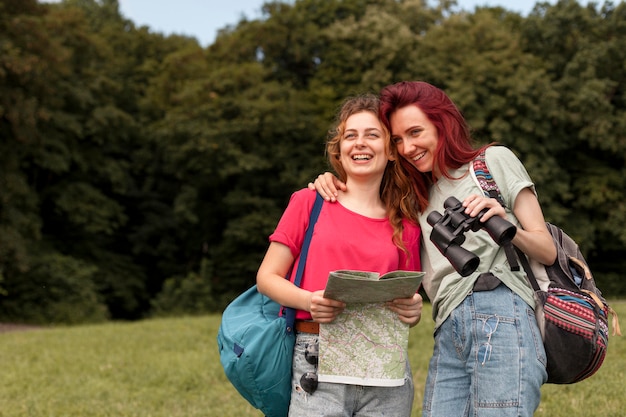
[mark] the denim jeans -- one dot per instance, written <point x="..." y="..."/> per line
<point x="488" y="359"/>
<point x="342" y="400"/>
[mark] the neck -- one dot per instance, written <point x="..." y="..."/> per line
<point x="363" y="197"/>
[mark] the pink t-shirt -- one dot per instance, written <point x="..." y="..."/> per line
<point x="342" y="239"/>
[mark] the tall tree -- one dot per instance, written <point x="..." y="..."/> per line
<point x="140" y="170"/>
<point x="583" y="50"/>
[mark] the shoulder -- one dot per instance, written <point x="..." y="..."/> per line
<point x="508" y="171"/>
<point x="499" y="152"/>
<point x="501" y="159"/>
<point x="301" y="202"/>
<point x="304" y="196"/>
<point x="297" y="212"/>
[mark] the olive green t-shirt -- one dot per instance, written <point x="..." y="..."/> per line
<point x="444" y="286"/>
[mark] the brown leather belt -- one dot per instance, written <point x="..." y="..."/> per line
<point x="303" y="326"/>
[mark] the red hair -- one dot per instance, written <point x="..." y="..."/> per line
<point x="454" y="147"/>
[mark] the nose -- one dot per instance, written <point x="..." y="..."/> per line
<point x="402" y="145"/>
<point x="360" y="139"/>
<point x="409" y="143"/>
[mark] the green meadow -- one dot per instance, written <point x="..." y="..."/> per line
<point x="171" y="368"/>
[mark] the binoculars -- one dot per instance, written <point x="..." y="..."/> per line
<point x="449" y="233"/>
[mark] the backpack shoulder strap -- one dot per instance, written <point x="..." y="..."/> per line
<point x="481" y="175"/>
<point x="315" y="212"/>
<point x="290" y="313"/>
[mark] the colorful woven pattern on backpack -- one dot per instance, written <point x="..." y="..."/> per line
<point x="486" y="181"/>
<point x="576" y="314"/>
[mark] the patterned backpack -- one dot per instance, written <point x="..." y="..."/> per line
<point x="570" y="310"/>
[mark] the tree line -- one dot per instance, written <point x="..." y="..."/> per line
<point x="141" y="174"/>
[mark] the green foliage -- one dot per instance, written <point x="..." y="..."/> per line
<point x="57" y="289"/>
<point x="142" y="155"/>
<point x="190" y="295"/>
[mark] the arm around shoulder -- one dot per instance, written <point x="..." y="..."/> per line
<point x="328" y="185"/>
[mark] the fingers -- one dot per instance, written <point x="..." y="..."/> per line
<point x="336" y="183"/>
<point x="409" y="310"/>
<point x="328" y="185"/>
<point x="326" y="188"/>
<point x="324" y="310"/>
<point x="474" y="204"/>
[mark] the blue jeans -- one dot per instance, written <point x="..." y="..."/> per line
<point x="342" y="400"/>
<point x="488" y="359"/>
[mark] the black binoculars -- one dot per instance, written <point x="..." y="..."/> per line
<point x="449" y="233"/>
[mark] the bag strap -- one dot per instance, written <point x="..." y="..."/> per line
<point x="481" y="175"/>
<point x="484" y="179"/>
<point x="529" y="271"/>
<point x="290" y="313"/>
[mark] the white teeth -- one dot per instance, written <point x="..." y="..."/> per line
<point x="361" y="157"/>
<point x="420" y="156"/>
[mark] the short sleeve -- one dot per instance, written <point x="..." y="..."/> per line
<point x="292" y="226"/>
<point x="508" y="172"/>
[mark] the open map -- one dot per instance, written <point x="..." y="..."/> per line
<point x="367" y="343"/>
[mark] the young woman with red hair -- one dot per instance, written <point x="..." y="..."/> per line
<point x="488" y="358"/>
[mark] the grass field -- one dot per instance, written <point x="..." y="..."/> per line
<point x="171" y="368"/>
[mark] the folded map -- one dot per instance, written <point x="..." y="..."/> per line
<point x="367" y="343"/>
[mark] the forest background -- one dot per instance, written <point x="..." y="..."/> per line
<point x="141" y="174"/>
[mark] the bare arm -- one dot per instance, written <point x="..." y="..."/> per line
<point x="271" y="282"/>
<point x="534" y="239"/>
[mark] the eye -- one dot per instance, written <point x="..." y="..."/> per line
<point x="349" y="135"/>
<point x="415" y="132"/>
<point x="396" y="139"/>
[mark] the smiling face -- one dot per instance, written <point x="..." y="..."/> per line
<point x="415" y="137"/>
<point x="362" y="149"/>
